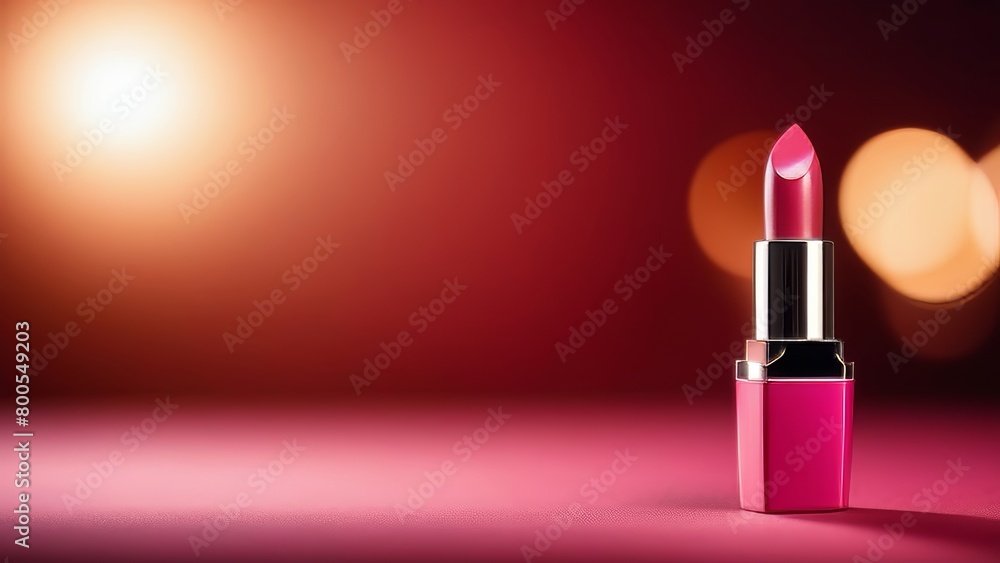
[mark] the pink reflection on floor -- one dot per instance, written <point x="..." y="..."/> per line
<point x="669" y="488"/>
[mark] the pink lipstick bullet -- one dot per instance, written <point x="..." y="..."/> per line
<point x="794" y="391"/>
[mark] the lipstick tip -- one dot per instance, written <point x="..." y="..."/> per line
<point x="792" y="153"/>
<point x="793" y="189"/>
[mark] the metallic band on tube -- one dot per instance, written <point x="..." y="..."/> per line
<point x="793" y="289"/>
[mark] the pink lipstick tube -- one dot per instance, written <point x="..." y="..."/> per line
<point x="794" y="392"/>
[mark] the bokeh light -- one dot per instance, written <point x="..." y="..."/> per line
<point x="990" y="165"/>
<point x="985" y="202"/>
<point x="921" y="214"/>
<point x="726" y="200"/>
<point x="984" y="208"/>
<point x="110" y="97"/>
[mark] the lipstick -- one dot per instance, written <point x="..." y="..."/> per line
<point x="794" y="391"/>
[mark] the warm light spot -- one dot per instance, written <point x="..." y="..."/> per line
<point x="986" y="205"/>
<point x="121" y="95"/>
<point x="920" y="213"/>
<point x="121" y="110"/>
<point x="726" y="201"/>
<point x="984" y="212"/>
<point x="990" y="164"/>
<point x="101" y="80"/>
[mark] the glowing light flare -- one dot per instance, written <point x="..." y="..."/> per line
<point x="726" y="200"/>
<point x="986" y="205"/>
<point x="984" y="210"/>
<point x="103" y="80"/>
<point x="131" y="95"/>
<point x="920" y="213"/>
<point x="125" y="104"/>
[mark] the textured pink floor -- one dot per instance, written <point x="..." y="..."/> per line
<point x="335" y="501"/>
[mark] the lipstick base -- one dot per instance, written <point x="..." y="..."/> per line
<point x="795" y="438"/>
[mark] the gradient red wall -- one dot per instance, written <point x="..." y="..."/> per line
<point x="324" y="175"/>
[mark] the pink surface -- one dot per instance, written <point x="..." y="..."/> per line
<point x="609" y="483"/>
<point x="793" y="189"/>
<point x="794" y="444"/>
